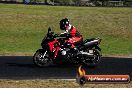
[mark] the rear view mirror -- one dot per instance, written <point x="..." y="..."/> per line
<point x="49" y="29"/>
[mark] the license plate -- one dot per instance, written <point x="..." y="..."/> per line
<point x="91" y="51"/>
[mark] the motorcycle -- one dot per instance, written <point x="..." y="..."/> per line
<point x="56" y="48"/>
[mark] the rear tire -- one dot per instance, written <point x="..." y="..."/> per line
<point x="41" y="58"/>
<point x="94" y="61"/>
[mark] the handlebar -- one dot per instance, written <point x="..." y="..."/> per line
<point x="56" y="35"/>
<point x="51" y="33"/>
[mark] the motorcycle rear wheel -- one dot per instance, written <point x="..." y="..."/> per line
<point x="94" y="61"/>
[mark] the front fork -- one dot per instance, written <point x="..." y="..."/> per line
<point x="44" y="54"/>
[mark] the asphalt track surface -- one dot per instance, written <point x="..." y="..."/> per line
<point x="22" y="68"/>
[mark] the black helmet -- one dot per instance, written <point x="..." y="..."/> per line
<point x="64" y="23"/>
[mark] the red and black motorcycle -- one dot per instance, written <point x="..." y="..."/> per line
<point x="56" y="48"/>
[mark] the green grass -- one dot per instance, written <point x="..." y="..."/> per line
<point x="22" y="27"/>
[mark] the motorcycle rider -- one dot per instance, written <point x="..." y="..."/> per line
<point x="70" y="31"/>
<point x="72" y="35"/>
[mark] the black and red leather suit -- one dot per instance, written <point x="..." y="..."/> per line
<point x="74" y="36"/>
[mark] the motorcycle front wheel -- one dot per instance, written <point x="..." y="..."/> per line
<point x="41" y="58"/>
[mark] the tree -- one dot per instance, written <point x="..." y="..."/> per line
<point x="77" y="2"/>
<point x="63" y="2"/>
<point x="67" y="2"/>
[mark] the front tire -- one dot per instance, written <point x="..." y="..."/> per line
<point x="41" y="58"/>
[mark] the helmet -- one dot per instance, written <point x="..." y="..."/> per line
<point x="64" y="23"/>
